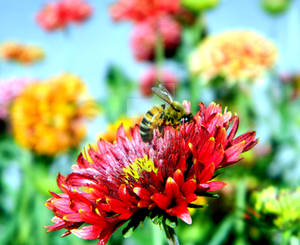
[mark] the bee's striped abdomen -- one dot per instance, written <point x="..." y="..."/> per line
<point x="151" y="120"/>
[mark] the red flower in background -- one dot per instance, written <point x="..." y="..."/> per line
<point x="128" y="180"/>
<point x="150" y="78"/>
<point x="139" y="10"/>
<point x="145" y="34"/>
<point x="57" y="15"/>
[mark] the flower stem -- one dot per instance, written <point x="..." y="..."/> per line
<point x="170" y="234"/>
<point x="159" y="55"/>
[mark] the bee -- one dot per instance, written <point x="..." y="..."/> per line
<point x="172" y="113"/>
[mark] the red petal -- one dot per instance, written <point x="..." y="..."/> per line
<point x="207" y="173"/>
<point x="142" y="193"/>
<point x="161" y="200"/>
<point x="88" y="232"/>
<point x="206" y="150"/>
<point x="60" y="179"/>
<point x="234" y="128"/>
<point x="182" y="213"/>
<point x="221" y="136"/>
<point x="215" y="186"/>
<point x="189" y="187"/>
<point x="91" y="218"/>
<point x="74" y="217"/>
<point x="247" y="137"/>
<point x="171" y="188"/>
<point x="76" y="179"/>
<point x="178" y="177"/>
<point x="233" y="152"/>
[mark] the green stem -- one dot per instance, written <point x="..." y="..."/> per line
<point x="157" y="236"/>
<point x="24" y="210"/>
<point x="170" y="234"/>
<point x="198" y="29"/>
<point x="194" y="93"/>
<point x="240" y="207"/>
<point x="286" y="237"/>
<point x="159" y="55"/>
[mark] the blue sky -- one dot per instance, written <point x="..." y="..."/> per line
<point x="87" y="50"/>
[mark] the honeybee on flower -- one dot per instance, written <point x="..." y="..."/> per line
<point x="173" y="113"/>
<point x="129" y="180"/>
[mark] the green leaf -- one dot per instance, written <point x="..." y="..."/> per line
<point x="157" y="220"/>
<point x="171" y="223"/>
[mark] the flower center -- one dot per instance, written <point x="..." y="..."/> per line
<point x="136" y="168"/>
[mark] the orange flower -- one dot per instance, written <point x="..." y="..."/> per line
<point x="21" y="53"/>
<point x="111" y="132"/>
<point x="237" y="55"/>
<point x="48" y="117"/>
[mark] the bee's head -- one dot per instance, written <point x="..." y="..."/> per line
<point x="187" y="118"/>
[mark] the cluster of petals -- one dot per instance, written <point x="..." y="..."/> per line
<point x="21" y="53"/>
<point x="112" y="182"/>
<point x="48" y="117"/>
<point x="237" y="55"/>
<point x="140" y="10"/>
<point x="57" y="15"/>
<point x="152" y="75"/>
<point x="9" y="90"/>
<point x="145" y="36"/>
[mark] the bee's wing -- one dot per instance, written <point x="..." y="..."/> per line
<point x="163" y="93"/>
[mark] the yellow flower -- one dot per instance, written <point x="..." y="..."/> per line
<point x="25" y="54"/>
<point x="237" y="55"/>
<point x="111" y="132"/>
<point x="48" y="117"/>
<point x="280" y="206"/>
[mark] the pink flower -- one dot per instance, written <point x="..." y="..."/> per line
<point x="139" y="10"/>
<point x="9" y="90"/>
<point x="145" y="35"/>
<point x="149" y="79"/>
<point x="57" y="15"/>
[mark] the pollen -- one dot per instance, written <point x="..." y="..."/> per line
<point x="139" y="166"/>
<point x="97" y="211"/>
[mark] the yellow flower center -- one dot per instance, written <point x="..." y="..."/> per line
<point x="139" y="166"/>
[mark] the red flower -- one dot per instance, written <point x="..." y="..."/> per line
<point x="57" y="15"/>
<point x="130" y="179"/>
<point x="139" y="10"/>
<point x="146" y="33"/>
<point x="149" y="79"/>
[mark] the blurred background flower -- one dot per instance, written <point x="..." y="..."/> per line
<point x="9" y="90"/>
<point x="48" y="117"/>
<point x="139" y="10"/>
<point x="280" y="207"/>
<point x="150" y="79"/>
<point x="237" y="55"/>
<point x="21" y="53"/>
<point x="145" y="35"/>
<point x="59" y="14"/>
<point x="110" y="135"/>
